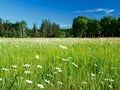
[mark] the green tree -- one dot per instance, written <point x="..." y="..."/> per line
<point x="1" y="28"/>
<point x="93" y="28"/>
<point x="49" y="29"/>
<point x="117" y="33"/>
<point x="43" y="28"/>
<point x="55" y="30"/>
<point x="109" y="25"/>
<point x="18" y="29"/>
<point x="35" y="30"/>
<point x="6" y="27"/>
<point x="66" y="32"/>
<point x="12" y="31"/>
<point x="23" y="28"/>
<point x="80" y="26"/>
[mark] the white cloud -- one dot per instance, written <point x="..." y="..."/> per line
<point x="65" y="25"/>
<point x="110" y="11"/>
<point x="106" y="11"/>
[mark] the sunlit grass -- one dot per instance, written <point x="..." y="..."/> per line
<point x="60" y="64"/>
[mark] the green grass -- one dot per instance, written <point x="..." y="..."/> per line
<point x="82" y="64"/>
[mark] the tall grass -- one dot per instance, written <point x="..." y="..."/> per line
<point x="60" y="64"/>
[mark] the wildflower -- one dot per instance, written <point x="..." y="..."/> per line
<point x="93" y="78"/>
<point x="75" y="65"/>
<point x="111" y="80"/>
<point x="37" y="57"/>
<point x="93" y="75"/>
<point x="52" y="84"/>
<point x="63" y="47"/>
<point x="84" y="82"/>
<point x="26" y="65"/>
<point x="65" y="60"/>
<point x="95" y="65"/>
<point x="60" y="83"/>
<point x="1" y="79"/>
<point x="100" y="72"/>
<point x="102" y="82"/>
<point x="4" y="69"/>
<point x="110" y="86"/>
<point x="29" y="81"/>
<point x="106" y="79"/>
<point x="39" y="66"/>
<point x="49" y="75"/>
<point x="112" y="68"/>
<point x="47" y="81"/>
<point x="27" y="72"/>
<point x="40" y="85"/>
<point x="14" y="66"/>
<point x="58" y="69"/>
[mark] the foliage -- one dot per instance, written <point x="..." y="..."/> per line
<point x="49" y="29"/>
<point x="80" y="26"/>
<point x="93" y="28"/>
<point x="108" y="26"/>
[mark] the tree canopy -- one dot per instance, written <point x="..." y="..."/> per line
<point x="107" y="26"/>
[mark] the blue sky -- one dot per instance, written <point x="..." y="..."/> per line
<point x="61" y="12"/>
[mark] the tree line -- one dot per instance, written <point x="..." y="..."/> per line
<point x="107" y="26"/>
<point x="20" y="29"/>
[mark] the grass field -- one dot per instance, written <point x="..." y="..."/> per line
<point x="60" y="64"/>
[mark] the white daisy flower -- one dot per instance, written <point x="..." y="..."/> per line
<point x="39" y="66"/>
<point x="60" y="83"/>
<point x="27" y="72"/>
<point x="4" y="69"/>
<point x="37" y="57"/>
<point x="40" y="85"/>
<point x="47" y="81"/>
<point x="26" y="65"/>
<point x="75" y="65"/>
<point x="95" y="65"/>
<point x="51" y="84"/>
<point x="112" y="68"/>
<point x="93" y="75"/>
<point x="49" y="75"/>
<point x="65" y="60"/>
<point x="14" y="66"/>
<point x="111" y="80"/>
<point x="58" y="69"/>
<point x="63" y="47"/>
<point x="93" y="78"/>
<point x="102" y="82"/>
<point x="1" y="79"/>
<point x="106" y="79"/>
<point x="84" y="82"/>
<point x="100" y="72"/>
<point x="110" y="86"/>
<point x="29" y="81"/>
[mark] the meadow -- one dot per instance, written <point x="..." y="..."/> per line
<point x="60" y="64"/>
